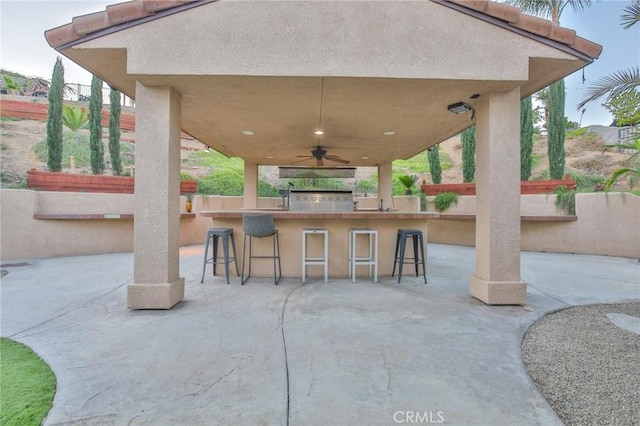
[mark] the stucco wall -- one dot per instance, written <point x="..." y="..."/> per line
<point x="608" y="224"/>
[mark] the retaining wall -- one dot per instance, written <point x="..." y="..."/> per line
<point x="607" y="224"/>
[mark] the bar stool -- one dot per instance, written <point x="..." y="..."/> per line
<point x="370" y="260"/>
<point x="401" y="244"/>
<point x="216" y="234"/>
<point x="260" y="226"/>
<point x="307" y="260"/>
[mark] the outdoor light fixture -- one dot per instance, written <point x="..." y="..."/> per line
<point x="458" y="108"/>
<point x="461" y="108"/>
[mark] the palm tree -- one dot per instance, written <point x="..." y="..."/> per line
<point x="632" y="15"/>
<point x="631" y="167"/>
<point x="622" y="81"/>
<point x="550" y="8"/>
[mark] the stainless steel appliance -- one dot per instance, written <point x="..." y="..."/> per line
<point x="319" y="200"/>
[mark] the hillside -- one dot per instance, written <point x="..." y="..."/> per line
<point x="584" y="155"/>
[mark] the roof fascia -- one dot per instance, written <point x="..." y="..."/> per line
<point x="505" y="25"/>
<point x="130" y="24"/>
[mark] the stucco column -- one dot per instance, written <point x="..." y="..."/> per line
<point x="497" y="278"/>
<point x="156" y="229"/>
<point x="250" y="200"/>
<point x="385" y="185"/>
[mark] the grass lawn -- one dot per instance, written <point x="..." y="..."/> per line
<point x="27" y="385"/>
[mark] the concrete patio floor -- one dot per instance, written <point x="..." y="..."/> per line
<point x="332" y="353"/>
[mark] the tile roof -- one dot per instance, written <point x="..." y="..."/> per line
<point x="120" y="15"/>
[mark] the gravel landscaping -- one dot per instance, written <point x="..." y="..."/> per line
<point x="587" y="367"/>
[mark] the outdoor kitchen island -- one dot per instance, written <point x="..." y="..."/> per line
<point x="291" y="223"/>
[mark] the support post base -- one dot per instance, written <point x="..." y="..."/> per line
<point x="155" y="296"/>
<point x="499" y="292"/>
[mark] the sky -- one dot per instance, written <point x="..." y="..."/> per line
<point x="23" y="48"/>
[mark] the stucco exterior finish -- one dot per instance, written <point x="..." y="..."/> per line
<point x="250" y="185"/>
<point x="497" y="277"/>
<point x="157" y="284"/>
<point x="24" y="237"/>
<point x="288" y="68"/>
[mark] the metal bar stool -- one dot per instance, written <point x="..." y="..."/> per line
<point x="260" y="226"/>
<point x="370" y="260"/>
<point x="216" y="234"/>
<point x="314" y="260"/>
<point x="401" y="244"/>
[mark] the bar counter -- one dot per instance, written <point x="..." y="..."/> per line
<point x="291" y="223"/>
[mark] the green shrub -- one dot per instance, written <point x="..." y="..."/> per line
<point x="423" y="202"/>
<point x="77" y="144"/>
<point x="544" y="175"/>
<point x="228" y="181"/>
<point x="185" y="176"/>
<point x="566" y="199"/>
<point x="587" y="182"/>
<point x="369" y="186"/>
<point x="213" y="159"/>
<point x="417" y="164"/>
<point x="576" y="133"/>
<point x="267" y="190"/>
<point x="444" y="200"/>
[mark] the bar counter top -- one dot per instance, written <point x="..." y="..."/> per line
<point x="285" y="214"/>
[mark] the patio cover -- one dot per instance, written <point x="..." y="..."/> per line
<point x="256" y="79"/>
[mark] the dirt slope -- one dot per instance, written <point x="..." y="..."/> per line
<point x="584" y="154"/>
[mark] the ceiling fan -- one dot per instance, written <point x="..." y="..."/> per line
<point x="320" y="154"/>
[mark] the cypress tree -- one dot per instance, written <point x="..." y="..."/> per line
<point x="95" y="127"/>
<point x="434" y="164"/>
<point x="54" y="118"/>
<point x="555" y="130"/>
<point x="468" y="138"/>
<point x="114" y="131"/>
<point x="526" y="138"/>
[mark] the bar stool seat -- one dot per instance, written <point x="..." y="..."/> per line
<point x="315" y="260"/>
<point x="418" y="257"/>
<point x="217" y="234"/>
<point x="370" y="260"/>
<point x="260" y="226"/>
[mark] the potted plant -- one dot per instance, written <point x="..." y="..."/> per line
<point x="408" y="182"/>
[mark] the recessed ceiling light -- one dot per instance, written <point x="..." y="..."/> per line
<point x="389" y="133"/>
<point x="247" y="132"/>
<point x="318" y="132"/>
<point x="270" y="157"/>
<point x="364" y="158"/>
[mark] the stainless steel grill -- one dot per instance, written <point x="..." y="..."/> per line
<point x="321" y="201"/>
